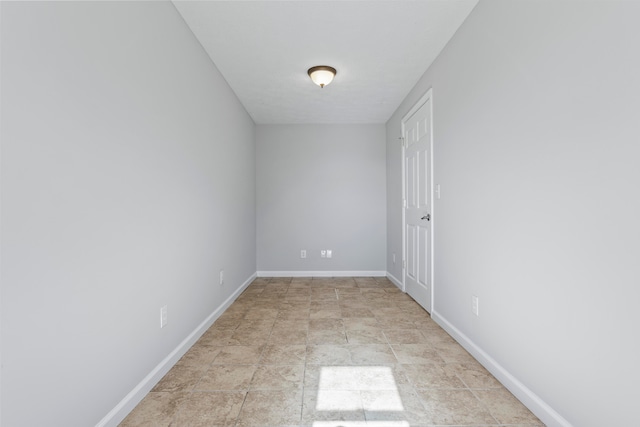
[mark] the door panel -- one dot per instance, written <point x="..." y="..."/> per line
<point x="411" y="243"/>
<point x="417" y="210"/>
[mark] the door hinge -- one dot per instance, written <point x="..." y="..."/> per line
<point x="404" y="264"/>
<point x="404" y="203"/>
<point x="401" y="140"/>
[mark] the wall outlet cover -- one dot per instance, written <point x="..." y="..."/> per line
<point x="163" y="316"/>
<point x="475" y="305"/>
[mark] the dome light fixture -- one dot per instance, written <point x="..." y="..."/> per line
<point x="322" y="75"/>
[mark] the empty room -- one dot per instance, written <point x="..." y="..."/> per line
<point x="302" y="213"/>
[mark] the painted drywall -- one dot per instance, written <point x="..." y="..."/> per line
<point x="128" y="182"/>
<point x="536" y="151"/>
<point x="320" y="187"/>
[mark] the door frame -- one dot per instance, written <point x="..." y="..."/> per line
<point x="423" y="99"/>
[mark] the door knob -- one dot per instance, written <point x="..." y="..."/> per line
<point x="427" y="217"/>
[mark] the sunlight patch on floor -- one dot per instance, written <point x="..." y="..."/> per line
<point x="349" y="388"/>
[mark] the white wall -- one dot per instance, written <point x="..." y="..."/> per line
<point x="320" y="187"/>
<point x="128" y="182"/>
<point x="536" y="136"/>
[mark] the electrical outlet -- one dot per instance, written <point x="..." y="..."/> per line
<point x="329" y="253"/>
<point x="323" y="254"/>
<point x="222" y="277"/>
<point x="303" y="253"/>
<point x="393" y="258"/>
<point x="163" y="316"/>
<point x="475" y="305"/>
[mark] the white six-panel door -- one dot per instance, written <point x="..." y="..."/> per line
<point x="416" y="127"/>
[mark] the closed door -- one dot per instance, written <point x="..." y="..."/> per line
<point x="417" y="202"/>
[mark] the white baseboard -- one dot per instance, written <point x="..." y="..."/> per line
<point x="126" y="405"/>
<point x="394" y="280"/>
<point x="540" y="408"/>
<point x="321" y="273"/>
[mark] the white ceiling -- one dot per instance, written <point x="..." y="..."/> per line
<point x="379" y="48"/>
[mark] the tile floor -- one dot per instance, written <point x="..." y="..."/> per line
<point x="327" y="352"/>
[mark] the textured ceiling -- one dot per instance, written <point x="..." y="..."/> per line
<point x="379" y="48"/>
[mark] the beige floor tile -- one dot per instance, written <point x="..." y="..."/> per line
<point x="453" y="353"/>
<point x="244" y="337"/>
<point x="416" y="354"/>
<point x="266" y="301"/>
<point x="294" y="305"/>
<point x="218" y="339"/>
<point x="321" y="313"/>
<point x="369" y="354"/>
<point x="275" y="288"/>
<point x="210" y="409"/>
<point x="262" y="313"/>
<point x="288" y="337"/>
<point x="312" y="376"/>
<point x="157" y="409"/>
<point x="252" y="290"/>
<point x="179" y="378"/>
<point x="325" y="305"/>
<point x="426" y="323"/>
<point x="256" y="324"/>
<point x="319" y="291"/>
<point x="328" y="355"/>
<point x="345" y="285"/>
<point x="290" y="325"/>
<point x="294" y="314"/>
<point x="298" y="292"/>
<point x="373" y="290"/>
<point x="315" y="337"/>
<point x="506" y="408"/>
<point x="399" y="322"/>
<point x="404" y="336"/>
<point x="282" y="334"/>
<point x="278" y="377"/>
<point x="474" y="375"/>
<point x="283" y="355"/>
<point x="356" y="312"/>
<point x="271" y="408"/>
<point x="454" y="407"/>
<point x="226" y="377"/>
<point x="231" y="323"/>
<point x="437" y="337"/>
<point x="356" y="323"/>
<point x="366" y="336"/>
<point x="432" y="375"/>
<point x="199" y="356"/>
<point x="326" y="324"/>
<point x="239" y="355"/>
<point x="353" y="306"/>
<point x="348" y="292"/>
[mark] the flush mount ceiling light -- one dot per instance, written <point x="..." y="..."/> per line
<point x="322" y="75"/>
